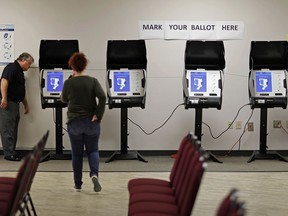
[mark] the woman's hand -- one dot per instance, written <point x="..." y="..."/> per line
<point x="94" y="118"/>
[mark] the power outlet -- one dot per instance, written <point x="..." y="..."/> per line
<point x="277" y="124"/>
<point x="238" y="125"/>
<point x="250" y="126"/>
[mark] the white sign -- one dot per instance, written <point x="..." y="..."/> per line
<point x="191" y="30"/>
<point x="151" y="29"/>
<point x="176" y="30"/>
<point x="230" y="30"/>
<point x="6" y="43"/>
<point x="200" y="30"/>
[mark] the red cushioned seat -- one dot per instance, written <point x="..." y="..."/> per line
<point x="144" y="185"/>
<point x="148" y="181"/>
<point x="174" y="192"/>
<point x="4" y="196"/>
<point x="6" y="187"/>
<point x="153" y="197"/>
<point x="152" y="207"/>
<point x="3" y="207"/>
<point x="181" y="155"/>
<point x="152" y="214"/>
<point x="7" y="180"/>
<point x="151" y="189"/>
<point x="14" y="192"/>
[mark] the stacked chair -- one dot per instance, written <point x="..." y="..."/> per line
<point x="231" y="206"/>
<point x="15" y="198"/>
<point x="176" y="196"/>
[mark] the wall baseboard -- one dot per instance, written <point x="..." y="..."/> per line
<point x="108" y="153"/>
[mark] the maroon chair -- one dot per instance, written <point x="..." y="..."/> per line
<point x="10" y="198"/>
<point x="186" y="148"/>
<point x="184" y="200"/>
<point x="225" y="205"/>
<point x="177" y="198"/>
<point x="37" y="153"/>
<point x="150" y="181"/>
<point x="187" y="195"/>
<point x="230" y="205"/>
<point x="7" y="184"/>
<point x="142" y="192"/>
<point x="152" y="214"/>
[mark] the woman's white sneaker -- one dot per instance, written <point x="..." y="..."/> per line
<point x="97" y="186"/>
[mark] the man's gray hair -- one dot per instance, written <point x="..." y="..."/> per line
<point x="25" y="57"/>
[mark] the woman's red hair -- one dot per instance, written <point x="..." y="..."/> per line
<point x="78" y="61"/>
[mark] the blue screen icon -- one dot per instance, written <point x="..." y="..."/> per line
<point x="54" y="81"/>
<point x="198" y="82"/>
<point x="121" y="81"/>
<point x="263" y="82"/>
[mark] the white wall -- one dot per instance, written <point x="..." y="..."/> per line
<point x="93" y="22"/>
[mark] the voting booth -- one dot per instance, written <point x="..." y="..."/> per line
<point x="126" y="73"/>
<point x="203" y="79"/>
<point x="126" y="85"/>
<point x="53" y="71"/>
<point x="203" y="74"/>
<point x="267" y="86"/>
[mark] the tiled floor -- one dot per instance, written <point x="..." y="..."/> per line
<point x="52" y="193"/>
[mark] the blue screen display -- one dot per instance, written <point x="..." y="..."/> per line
<point x="54" y="81"/>
<point x="198" y="82"/>
<point x="121" y="81"/>
<point x="263" y="82"/>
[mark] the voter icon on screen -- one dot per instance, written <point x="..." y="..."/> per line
<point x="121" y="82"/>
<point x="263" y="83"/>
<point x="198" y="83"/>
<point x="54" y="81"/>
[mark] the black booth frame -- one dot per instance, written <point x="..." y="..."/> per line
<point x="55" y="54"/>
<point x="272" y="55"/>
<point x="208" y="55"/>
<point x="130" y="54"/>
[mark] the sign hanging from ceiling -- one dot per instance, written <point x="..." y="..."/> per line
<point x="191" y="30"/>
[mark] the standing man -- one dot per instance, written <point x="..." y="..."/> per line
<point x="12" y="93"/>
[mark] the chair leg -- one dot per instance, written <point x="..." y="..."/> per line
<point x="31" y="204"/>
<point x="27" y="206"/>
<point x="22" y="208"/>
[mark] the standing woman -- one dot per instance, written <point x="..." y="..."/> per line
<point x="83" y="118"/>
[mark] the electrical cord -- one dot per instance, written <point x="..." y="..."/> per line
<point x="284" y="129"/>
<point x="244" y="130"/>
<point x="216" y="137"/>
<point x="160" y="125"/>
<point x="227" y="154"/>
<point x="55" y="121"/>
<point x="239" y="140"/>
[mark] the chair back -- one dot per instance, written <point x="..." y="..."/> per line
<point x="187" y="189"/>
<point x="17" y="193"/>
<point x="26" y="175"/>
<point x="231" y="206"/>
<point x="37" y="153"/>
<point x="180" y="158"/>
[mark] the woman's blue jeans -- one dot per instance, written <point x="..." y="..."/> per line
<point x="84" y="133"/>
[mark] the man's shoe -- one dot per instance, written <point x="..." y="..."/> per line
<point x="97" y="186"/>
<point x="13" y="158"/>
